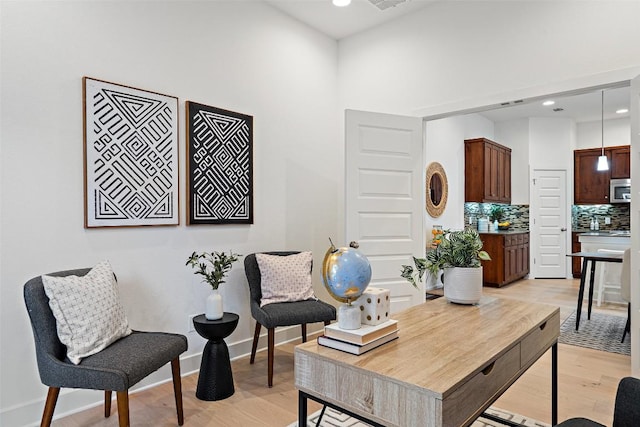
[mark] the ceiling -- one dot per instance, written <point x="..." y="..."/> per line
<point x="360" y="15"/>
<point x="340" y="22"/>
<point x="585" y="107"/>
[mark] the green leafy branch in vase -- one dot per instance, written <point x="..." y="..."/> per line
<point x="212" y="266"/>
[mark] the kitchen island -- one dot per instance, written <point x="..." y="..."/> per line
<point x="607" y="240"/>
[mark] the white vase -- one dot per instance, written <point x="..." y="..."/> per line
<point x="213" y="306"/>
<point x="463" y="285"/>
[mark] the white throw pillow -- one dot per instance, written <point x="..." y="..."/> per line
<point x="285" y="278"/>
<point x="88" y="312"/>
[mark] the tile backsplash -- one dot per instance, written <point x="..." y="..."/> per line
<point x="581" y="215"/>
<point x="620" y="215"/>
<point x="517" y="215"/>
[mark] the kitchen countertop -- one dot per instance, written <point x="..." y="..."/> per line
<point x="605" y="233"/>
<point x="504" y="232"/>
<point x="605" y="239"/>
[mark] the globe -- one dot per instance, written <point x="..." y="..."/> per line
<point x="346" y="272"/>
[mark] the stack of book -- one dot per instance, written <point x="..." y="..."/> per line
<point x="358" y="341"/>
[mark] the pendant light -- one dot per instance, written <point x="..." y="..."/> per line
<point x="603" y="163"/>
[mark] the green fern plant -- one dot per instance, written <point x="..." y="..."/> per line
<point x="461" y="248"/>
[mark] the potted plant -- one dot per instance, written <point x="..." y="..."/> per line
<point x="458" y="254"/>
<point x="495" y="216"/>
<point x="496" y="213"/>
<point x="213" y="267"/>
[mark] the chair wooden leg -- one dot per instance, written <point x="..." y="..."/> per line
<point x="49" y="406"/>
<point x="304" y="332"/>
<point x="123" y="408"/>
<point x="177" y="388"/>
<point x="327" y="322"/>
<point x="107" y="403"/>
<point x="627" y="327"/>
<point x="254" y="347"/>
<point x="270" y="350"/>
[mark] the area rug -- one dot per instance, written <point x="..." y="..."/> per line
<point x="333" y="418"/>
<point x="602" y="332"/>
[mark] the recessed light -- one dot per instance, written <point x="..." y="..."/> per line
<point x="341" y="3"/>
<point x="622" y="111"/>
<point x="549" y="102"/>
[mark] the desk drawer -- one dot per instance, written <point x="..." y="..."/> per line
<point x="476" y="393"/>
<point x="538" y="341"/>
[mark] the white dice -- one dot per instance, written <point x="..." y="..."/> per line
<point x="374" y="305"/>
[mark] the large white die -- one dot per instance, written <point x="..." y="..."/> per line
<point x="374" y="305"/>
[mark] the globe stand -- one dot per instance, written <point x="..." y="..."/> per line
<point x="349" y="316"/>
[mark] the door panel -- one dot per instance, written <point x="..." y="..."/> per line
<point x="634" y="112"/>
<point x="385" y="198"/>
<point x="549" y="220"/>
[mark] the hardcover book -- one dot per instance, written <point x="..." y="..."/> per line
<point x="364" y="335"/>
<point x="355" y="348"/>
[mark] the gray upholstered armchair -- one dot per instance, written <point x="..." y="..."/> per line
<point x="280" y="314"/>
<point x="117" y="367"/>
<point x="626" y="412"/>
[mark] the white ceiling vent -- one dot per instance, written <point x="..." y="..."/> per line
<point x="385" y="4"/>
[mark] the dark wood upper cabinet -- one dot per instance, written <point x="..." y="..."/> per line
<point x="487" y="171"/>
<point x="591" y="186"/>
<point x="620" y="161"/>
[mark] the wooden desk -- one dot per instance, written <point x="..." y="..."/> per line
<point x="448" y="365"/>
<point x="593" y="257"/>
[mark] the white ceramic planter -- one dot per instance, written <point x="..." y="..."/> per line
<point x="463" y="285"/>
<point x="213" y="306"/>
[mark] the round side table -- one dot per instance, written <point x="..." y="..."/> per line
<point x="215" y="381"/>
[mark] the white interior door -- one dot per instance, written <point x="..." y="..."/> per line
<point x="549" y="224"/>
<point x="385" y="197"/>
<point x="635" y="226"/>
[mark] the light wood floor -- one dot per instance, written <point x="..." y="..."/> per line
<point x="587" y="381"/>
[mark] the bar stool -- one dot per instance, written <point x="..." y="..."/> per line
<point x="609" y="275"/>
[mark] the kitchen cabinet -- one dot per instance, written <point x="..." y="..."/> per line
<point x="487" y="171"/>
<point x="591" y="186"/>
<point x="509" y="253"/>
<point x="620" y="161"/>
<point x="576" y="262"/>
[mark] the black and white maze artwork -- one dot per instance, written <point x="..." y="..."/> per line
<point x="220" y="166"/>
<point x="134" y="173"/>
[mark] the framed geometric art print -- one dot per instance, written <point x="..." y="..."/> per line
<point x="131" y="156"/>
<point x="220" y="166"/>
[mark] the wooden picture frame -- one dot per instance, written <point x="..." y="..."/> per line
<point x="130" y="156"/>
<point x="219" y="166"/>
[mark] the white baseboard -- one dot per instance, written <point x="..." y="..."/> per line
<point x="71" y="401"/>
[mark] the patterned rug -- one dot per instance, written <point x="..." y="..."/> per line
<point x="602" y="332"/>
<point x="333" y="418"/>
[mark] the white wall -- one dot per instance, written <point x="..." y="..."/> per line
<point x="616" y="132"/>
<point x="452" y="52"/>
<point x="445" y="144"/>
<point x="515" y="135"/>
<point x="242" y="56"/>
<point x="551" y="135"/>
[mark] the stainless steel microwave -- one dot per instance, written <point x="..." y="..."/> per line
<point x="620" y="191"/>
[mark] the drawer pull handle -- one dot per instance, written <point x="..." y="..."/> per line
<point x="544" y="325"/>
<point x="488" y="369"/>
